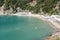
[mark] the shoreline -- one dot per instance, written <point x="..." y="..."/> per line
<point x="54" y="25"/>
<point x="49" y="20"/>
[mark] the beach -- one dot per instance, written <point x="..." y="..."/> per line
<point x="18" y="26"/>
<point x="53" y="22"/>
<point x="50" y="20"/>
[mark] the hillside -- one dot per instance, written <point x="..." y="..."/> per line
<point x="47" y="6"/>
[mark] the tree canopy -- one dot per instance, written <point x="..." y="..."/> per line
<point x="46" y="5"/>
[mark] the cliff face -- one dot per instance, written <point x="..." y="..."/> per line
<point x="48" y="6"/>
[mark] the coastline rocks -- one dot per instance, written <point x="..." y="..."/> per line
<point x="54" y="36"/>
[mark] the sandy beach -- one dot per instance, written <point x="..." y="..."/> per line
<point x="42" y="17"/>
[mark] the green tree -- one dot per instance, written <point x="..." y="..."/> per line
<point x="1" y="2"/>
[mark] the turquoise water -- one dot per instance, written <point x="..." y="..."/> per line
<point x="23" y="28"/>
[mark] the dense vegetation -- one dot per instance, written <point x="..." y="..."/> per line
<point x="46" y="5"/>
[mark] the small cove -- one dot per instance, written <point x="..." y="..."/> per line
<point x="23" y="28"/>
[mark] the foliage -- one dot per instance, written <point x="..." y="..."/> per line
<point x="1" y="2"/>
<point x="47" y="5"/>
<point x="57" y="38"/>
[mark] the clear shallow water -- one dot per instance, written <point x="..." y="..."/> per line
<point x="23" y="28"/>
